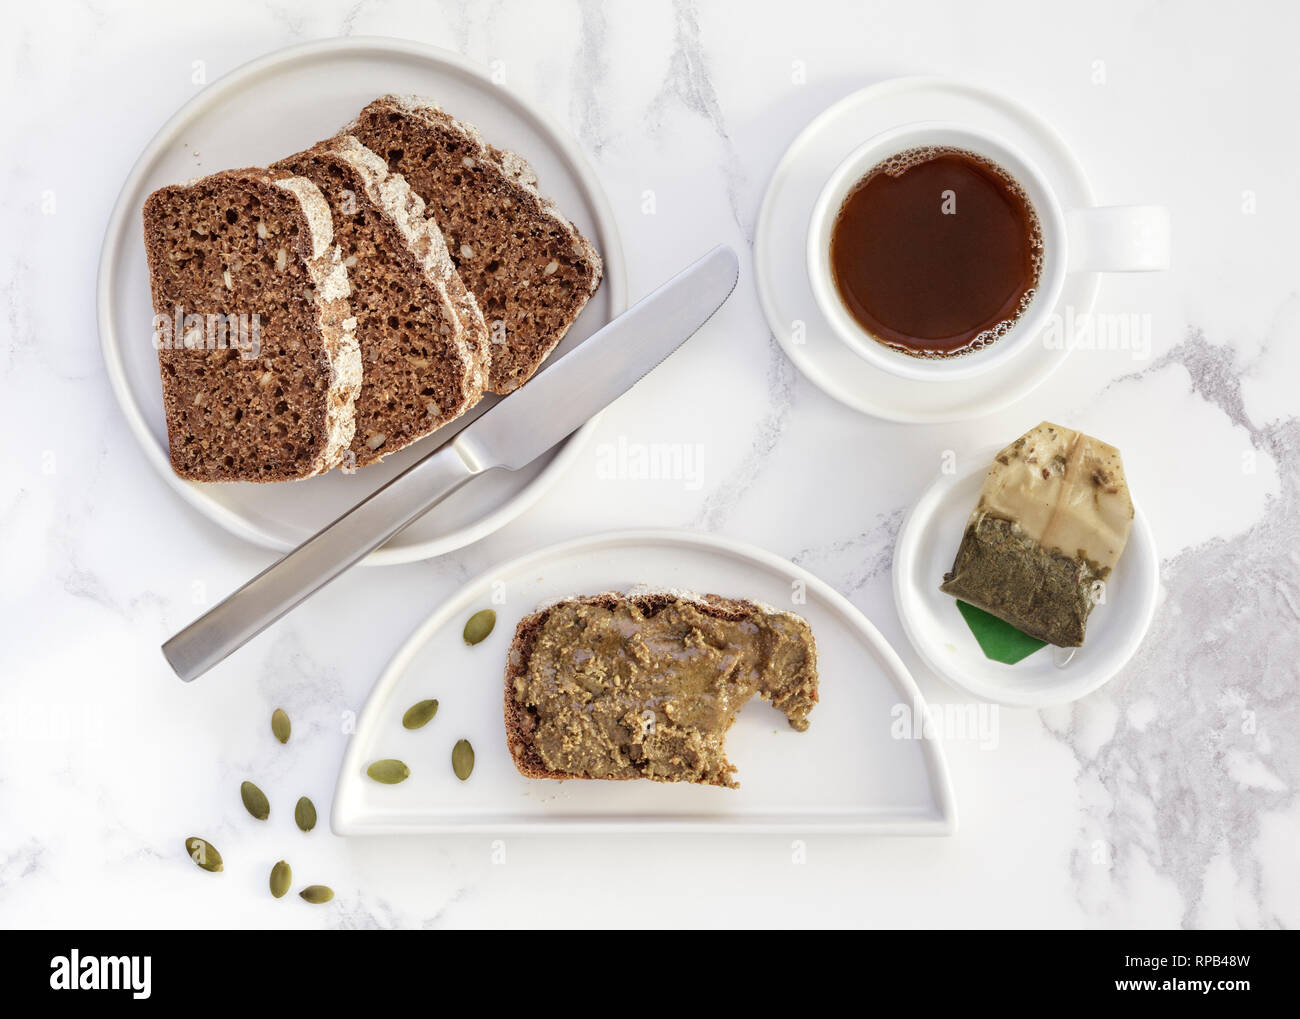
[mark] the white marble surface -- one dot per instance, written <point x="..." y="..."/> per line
<point x="1165" y="799"/>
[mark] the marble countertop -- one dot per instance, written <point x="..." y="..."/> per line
<point x="1167" y="798"/>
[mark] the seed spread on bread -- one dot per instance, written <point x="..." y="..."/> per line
<point x="647" y="685"/>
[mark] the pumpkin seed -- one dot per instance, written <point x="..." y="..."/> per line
<point x="304" y="814"/>
<point x="419" y="715"/>
<point x="280" y="725"/>
<point x="281" y="878"/>
<point x="479" y="626"/>
<point x="462" y="759"/>
<point x="255" y="801"/>
<point x="203" y="853"/>
<point x="317" y="894"/>
<point x="389" y="771"/>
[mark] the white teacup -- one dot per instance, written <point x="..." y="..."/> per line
<point x="1120" y="238"/>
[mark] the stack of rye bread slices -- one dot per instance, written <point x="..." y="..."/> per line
<point x="355" y="297"/>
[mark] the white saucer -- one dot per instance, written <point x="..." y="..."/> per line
<point x="780" y="243"/>
<point x="927" y="544"/>
<point x="849" y="772"/>
<point x="272" y="107"/>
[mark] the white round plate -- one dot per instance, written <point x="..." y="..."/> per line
<point x="781" y="234"/>
<point x="273" y="107"/>
<point x="847" y="772"/>
<point x="926" y="547"/>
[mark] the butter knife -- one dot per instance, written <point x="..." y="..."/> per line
<point x="519" y="429"/>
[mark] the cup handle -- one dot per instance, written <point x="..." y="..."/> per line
<point x="1118" y="238"/>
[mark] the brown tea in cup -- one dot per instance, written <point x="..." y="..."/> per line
<point x="936" y="251"/>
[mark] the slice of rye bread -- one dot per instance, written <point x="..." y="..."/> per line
<point x="529" y="267"/>
<point x="260" y="367"/>
<point x="424" y="345"/>
<point x="521" y="720"/>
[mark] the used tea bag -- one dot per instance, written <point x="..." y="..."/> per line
<point x="1051" y="522"/>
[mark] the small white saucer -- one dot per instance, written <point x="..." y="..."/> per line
<point x="927" y="544"/>
<point x="782" y="273"/>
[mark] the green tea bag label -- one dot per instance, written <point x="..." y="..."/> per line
<point x="997" y="638"/>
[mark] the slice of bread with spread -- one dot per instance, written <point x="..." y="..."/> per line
<point x="528" y="266"/>
<point x="646" y="684"/>
<point x="424" y="345"/>
<point x="260" y="367"/>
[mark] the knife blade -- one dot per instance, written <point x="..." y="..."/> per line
<point x="514" y="433"/>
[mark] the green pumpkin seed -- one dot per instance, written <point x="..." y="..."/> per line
<point x="479" y="626"/>
<point x="203" y="853"/>
<point x="255" y="801"/>
<point x="462" y="759"/>
<point x="419" y="715"/>
<point x="317" y="894"/>
<point x="281" y="878"/>
<point x="304" y="814"/>
<point x="389" y="771"/>
<point x="280" y="725"/>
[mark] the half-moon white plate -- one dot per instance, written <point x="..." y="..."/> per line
<point x="273" y="107"/>
<point x="847" y="773"/>
<point x="780" y="245"/>
<point x="926" y="546"/>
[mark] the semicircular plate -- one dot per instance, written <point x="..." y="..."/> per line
<point x="846" y="773"/>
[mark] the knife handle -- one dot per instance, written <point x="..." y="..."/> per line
<point x="313" y="564"/>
